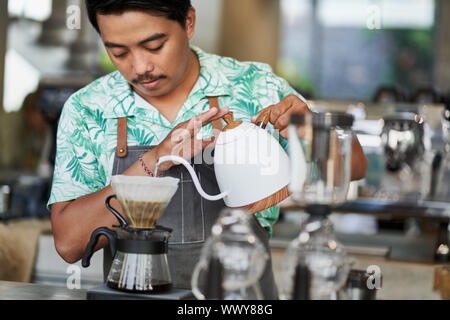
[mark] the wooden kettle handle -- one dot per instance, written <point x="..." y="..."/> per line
<point x="268" y="202"/>
<point x="231" y="124"/>
<point x="263" y="118"/>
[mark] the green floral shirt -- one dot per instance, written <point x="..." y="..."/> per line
<point x="87" y="132"/>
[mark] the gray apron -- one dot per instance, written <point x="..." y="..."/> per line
<point x="189" y="215"/>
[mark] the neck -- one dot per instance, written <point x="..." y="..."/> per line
<point x="170" y="104"/>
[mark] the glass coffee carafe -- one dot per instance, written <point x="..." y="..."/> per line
<point x="139" y="246"/>
<point x="316" y="265"/>
<point x="232" y="260"/>
<point x="320" y="146"/>
<point x="316" y="250"/>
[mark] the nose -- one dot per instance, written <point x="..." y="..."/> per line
<point x="141" y="65"/>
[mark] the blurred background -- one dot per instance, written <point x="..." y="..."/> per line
<point x="385" y="61"/>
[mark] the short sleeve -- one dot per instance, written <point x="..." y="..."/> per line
<point x="268" y="217"/>
<point x="285" y="89"/>
<point x="76" y="172"/>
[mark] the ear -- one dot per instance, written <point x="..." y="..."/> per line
<point x="190" y="23"/>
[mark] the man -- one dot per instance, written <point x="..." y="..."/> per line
<point x="151" y="107"/>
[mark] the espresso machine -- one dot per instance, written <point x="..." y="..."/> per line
<point x="442" y="189"/>
<point x="442" y="192"/>
<point x="138" y="245"/>
<point x="408" y="159"/>
<point x="316" y="266"/>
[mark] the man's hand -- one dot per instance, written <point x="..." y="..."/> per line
<point x="279" y="114"/>
<point x="182" y="140"/>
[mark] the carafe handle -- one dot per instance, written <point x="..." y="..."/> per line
<point x="90" y="248"/>
<point x="196" y="291"/>
<point x="193" y="175"/>
<point x="214" y="287"/>
<point x="302" y="283"/>
<point x="123" y="223"/>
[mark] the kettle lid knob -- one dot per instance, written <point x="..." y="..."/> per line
<point x="231" y="124"/>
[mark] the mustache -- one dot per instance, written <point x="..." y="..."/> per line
<point x="147" y="77"/>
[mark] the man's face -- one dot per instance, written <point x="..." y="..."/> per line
<point x="150" y="51"/>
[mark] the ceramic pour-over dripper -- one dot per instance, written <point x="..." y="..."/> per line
<point x="143" y="199"/>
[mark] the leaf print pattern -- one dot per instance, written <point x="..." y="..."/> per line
<point x="144" y="138"/>
<point x="87" y="129"/>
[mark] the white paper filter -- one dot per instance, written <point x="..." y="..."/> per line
<point x="140" y="188"/>
<point x="143" y="199"/>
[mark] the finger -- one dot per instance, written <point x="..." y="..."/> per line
<point x="180" y="134"/>
<point x="222" y="112"/>
<point x="284" y="119"/>
<point x="192" y="124"/>
<point x="198" y="121"/>
<point x="198" y="145"/>
<point x="285" y="106"/>
<point x="284" y="133"/>
<point x="300" y="108"/>
<point x="278" y="110"/>
<point x="208" y="115"/>
<point x="208" y="142"/>
<point x="282" y="122"/>
<point x="275" y="111"/>
<point x="195" y="129"/>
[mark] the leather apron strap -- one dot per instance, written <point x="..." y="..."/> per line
<point x="122" y="143"/>
<point x="216" y="124"/>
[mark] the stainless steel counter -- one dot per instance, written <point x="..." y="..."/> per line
<point x="31" y="291"/>
<point x="427" y="210"/>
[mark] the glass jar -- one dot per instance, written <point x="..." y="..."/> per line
<point x="140" y="263"/>
<point x="316" y="266"/>
<point x="320" y="147"/>
<point x="317" y="249"/>
<point x="237" y="256"/>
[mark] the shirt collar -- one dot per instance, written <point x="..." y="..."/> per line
<point x="121" y="99"/>
<point x="211" y="83"/>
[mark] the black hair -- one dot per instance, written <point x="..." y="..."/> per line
<point x="176" y="10"/>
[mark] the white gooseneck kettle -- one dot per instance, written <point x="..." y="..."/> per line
<point x="251" y="167"/>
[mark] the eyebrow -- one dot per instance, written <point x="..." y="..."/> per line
<point x="151" y="38"/>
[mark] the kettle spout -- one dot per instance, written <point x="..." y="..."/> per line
<point x="193" y="175"/>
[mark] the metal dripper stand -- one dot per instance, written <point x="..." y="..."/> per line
<point x="138" y="246"/>
<point x="316" y="266"/>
